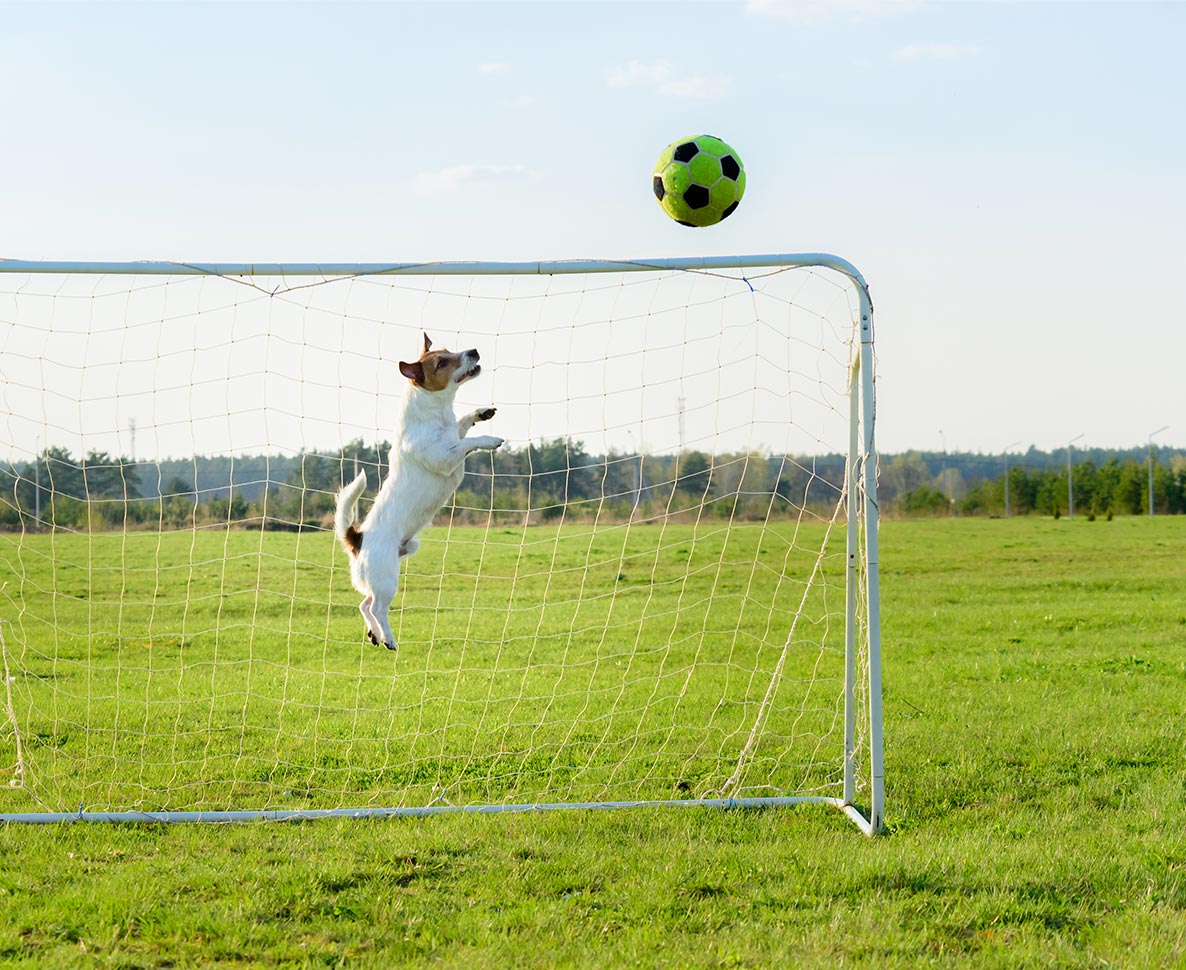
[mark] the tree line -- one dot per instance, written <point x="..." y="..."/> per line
<point x="909" y="485"/>
<point x="540" y="482"/>
<point x="559" y="480"/>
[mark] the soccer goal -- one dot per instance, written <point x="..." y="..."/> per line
<point x="662" y="590"/>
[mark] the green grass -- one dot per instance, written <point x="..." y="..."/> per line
<point x="227" y="670"/>
<point x="1036" y="797"/>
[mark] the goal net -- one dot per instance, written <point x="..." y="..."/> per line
<point x="661" y="589"/>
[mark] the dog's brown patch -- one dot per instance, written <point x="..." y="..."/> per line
<point x="353" y="539"/>
<point x="439" y="367"/>
<point x="435" y="369"/>
<point x="412" y="371"/>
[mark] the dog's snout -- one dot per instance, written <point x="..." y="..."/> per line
<point x="473" y="354"/>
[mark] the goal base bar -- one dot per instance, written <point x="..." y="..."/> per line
<point x="308" y="814"/>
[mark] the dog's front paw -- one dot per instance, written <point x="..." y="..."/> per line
<point x="496" y="442"/>
<point x="389" y="646"/>
<point x="487" y="413"/>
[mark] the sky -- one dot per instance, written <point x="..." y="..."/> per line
<point x="1008" y="176"/>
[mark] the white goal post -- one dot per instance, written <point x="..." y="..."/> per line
<point x="663" y="590"/>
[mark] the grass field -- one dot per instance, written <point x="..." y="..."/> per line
<point x="1036" y="802"/>
<point x="226" y="669"/>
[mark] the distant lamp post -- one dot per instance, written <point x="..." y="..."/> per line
<point x="1071" y="479"/>
<point x="1151" y="434"/>
<point x="1007" y="447"/>
<point x="637" y="469"/>
<point x="946" y="482"/>
<point x="37" y="484"/>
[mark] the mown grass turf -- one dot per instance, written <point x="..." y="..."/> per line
<point x="226" y="669"/>
<point x="1034" y="676"/>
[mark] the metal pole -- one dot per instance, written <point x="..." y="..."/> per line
<point x="642" y="473"/>
<point x="1071" y="479"/>
<point x="1007" y="447"/>
<point x="872" y="567"/>
<point x="946" y="486"/>
<point x="1151" y="434"/>
<point x="637" y="484"/>
<point x="852" y="583"/>
<point x="306" y="814"/>
<point x="531" y="268"/>
<point x="37" y="483"/>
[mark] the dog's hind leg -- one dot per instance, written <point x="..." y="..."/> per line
<point x="383" y="592"/>
<point x="380" y="609"/>
<point x="374" y="630"/>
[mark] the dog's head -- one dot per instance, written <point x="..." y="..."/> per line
<point x="441" y="370"/>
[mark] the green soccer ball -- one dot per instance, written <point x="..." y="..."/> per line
<point x="699" y="180"/>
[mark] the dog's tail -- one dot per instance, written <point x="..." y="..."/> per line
<point x="344" y="527"/>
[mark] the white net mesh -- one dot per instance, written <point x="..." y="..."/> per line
<point x="641" y="596"/>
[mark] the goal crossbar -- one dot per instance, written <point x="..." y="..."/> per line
<point x="444" y="268"/>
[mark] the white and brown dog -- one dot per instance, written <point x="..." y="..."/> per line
<point x="427" y="464"/>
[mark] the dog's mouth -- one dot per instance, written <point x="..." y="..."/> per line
<point x="471" y="373"/>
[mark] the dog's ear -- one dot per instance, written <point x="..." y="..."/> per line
<point x="413" y="372"/>
<point x="427" y="344"/>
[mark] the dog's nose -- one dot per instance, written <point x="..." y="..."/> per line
<point x="474" y="354"/>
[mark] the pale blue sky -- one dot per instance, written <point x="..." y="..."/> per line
<point x="1008" y="176"/>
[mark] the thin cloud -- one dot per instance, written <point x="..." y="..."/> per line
<point x="457" y="177"/>
<point x="636" y="72"/>
<point x="700" y="87"/>
<point x="935" y="52"/>
<point x="521" y="102"/>
<point x="494" y="67"/>
<point x="811" y="12"/>
<point x="661" y="77"/>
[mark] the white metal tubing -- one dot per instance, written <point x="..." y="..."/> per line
<point x="872" y="568"/>
<point x="1151" y="434"/>
<point x="308" y="814"/>
<point x="1071" y="478"/>
<point x="533" y="268"/>
<point x="1007" y="476"/>
<point x="862" y="823"/>
<point x="852" y="580"/>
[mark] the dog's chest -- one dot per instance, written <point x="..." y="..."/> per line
<point x="427" y="442"/>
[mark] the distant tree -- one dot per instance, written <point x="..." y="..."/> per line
<point x="1107" y="477"/>
<point x="221" y="509"/>
<point x="986" y="497"/>
<point x="1128" y="496"/>
<point x="177" y="486"/>
<point x="106" y="477"/>
<point x="1163" y="483"/>
<point x="60" y="473"/>
<point x="559" y="472"/>
<point x="902" y="474"/>
<point x="1050" y="493"/>
<point x="924" y="500"/>
<point x="1175" y="490"/>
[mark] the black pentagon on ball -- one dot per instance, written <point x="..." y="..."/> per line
<point x="729" y="211"/>
<point x="696" y="196"/>
<point x="657" y="185"/>
<point x="686" y="152"/>
<point x="730" y="168"/>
